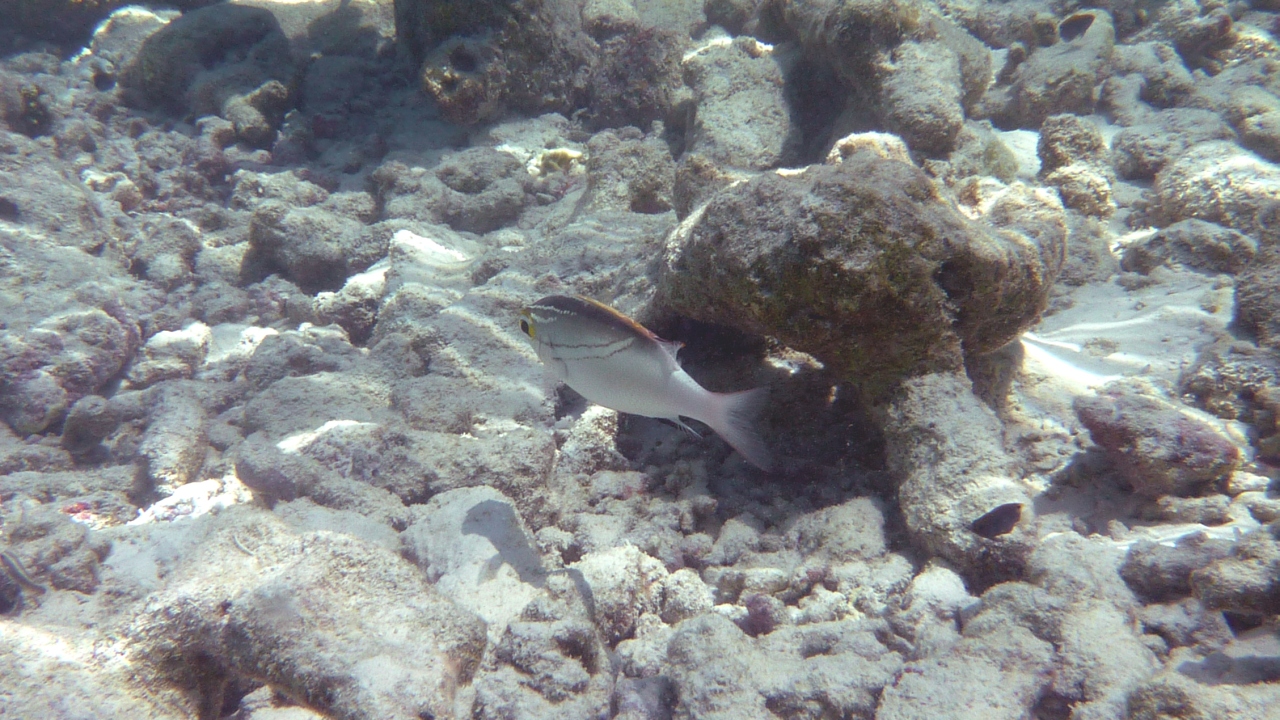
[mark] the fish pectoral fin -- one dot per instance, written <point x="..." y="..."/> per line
<point x="681" y="424"/>
<point x="672" y="349"/>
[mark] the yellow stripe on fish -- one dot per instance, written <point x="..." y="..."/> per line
<point x="614" y="361"/>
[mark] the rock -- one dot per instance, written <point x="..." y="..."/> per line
<point x="251" y="190"/>
<point x="1242" y="482"/>
<point x="1173" y="693"/>
<point x="226" y="60"/>
<point x="604" y="19"/>
<point x="738" y="536"/>
<point x="684" y="596"/>
<point x="275" y="475"/>
<point x="885" y="145"/>
<point x="625" y="584"/>
<point x="312" y="246"/>
<point x="48" y="362"/>
<point x="33" y="402"/>
<point x="1206" y="510"/>
<point x="928" y="613"/>
<point x="1218" y="182"/>
<point x="467" y="79"/>
<point x="1017" y="604"/>
<point x="104" y="492"/>
<point x="1158" y="448"/>
<point x="477" y="190"/>
<point x="293" y="408"/>
<point x="1195" y="31"/>
<point x="474" y="549"/>
<point x="428" y="269"/>
<point x="119" y="37"/>
<point x="732" y="15"/>
<point x="1186" y="624"/>
<point x="903" y="66"/>
<point x="637" y="78"/>
<point x="1070" y="140"/>
<point x="360" y="29"/>
<point x="644" y="698"/>
<point x="628" y="172"/>
<point x="1141" y="151"/>
<point x="90" y="420"/>
<point x="826" y="668"/>
<point x="257" y="113"/>
<point x="966" y="475"/>
<point x="974" y="56"/>
<point x="1166" y="82"/>
<point x="874" y="306"/>
<point x="499" y="57"/>
<point x="1075" y="568"/>
<point x="171" y="355"/>
<point x="1160" y="573"/>
<point x="199" y="633"/>
<point x="354" y="308"/>
<point x="39" y="681"/>
<point x="165" y="252"/>
<point x="591" y="446"/>
<point x="297" y="354"/>
<point x="1257" y="307"/>
<point x="35" y="193"/>
<point x="921" y="91"/>
<point x="1063" y="77"/>
<point x="1027" y="24"/>
<point x="998" y="676"/>
<point x="1194" y="244"/>
<point x="1102" y="660"/>
<point x="174" y="444"/>
<point x="741" y="119"/>
<point x="1236" y="380"/>
<point x="54" y="549"/>
<point x="549" y="663"/>
<point x="1083" y="188"/>
<point x="853" y="530"/>
<point x="1247" y="580"/>
<point x="421" y="26"/>
<point x="1251" y="103"/>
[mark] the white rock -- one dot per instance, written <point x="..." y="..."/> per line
<point x="625" y="584"/>
<point x="684" y="595"/>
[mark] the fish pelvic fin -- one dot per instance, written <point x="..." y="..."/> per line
<point x="732" y="416"/>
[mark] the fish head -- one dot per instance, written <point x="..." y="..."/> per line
<point x="529" y="326"/>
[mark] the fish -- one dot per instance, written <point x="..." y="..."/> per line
<point x="614" y="361"/>
<point x="19" y="573"/>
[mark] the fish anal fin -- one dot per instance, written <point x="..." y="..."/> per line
<point x="685" y="427"/>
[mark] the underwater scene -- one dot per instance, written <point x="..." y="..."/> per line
<point x="640" y="359"/>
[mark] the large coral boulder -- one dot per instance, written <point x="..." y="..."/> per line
<point x="228" y="60"/>
<point x="864" y="265"/>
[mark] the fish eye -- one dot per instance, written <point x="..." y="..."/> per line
<point x="524" y="327"/>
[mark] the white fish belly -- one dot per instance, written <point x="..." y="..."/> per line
<point x="635" y="385"/>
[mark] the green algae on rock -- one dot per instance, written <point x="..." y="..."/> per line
<point x="863" y="265"/>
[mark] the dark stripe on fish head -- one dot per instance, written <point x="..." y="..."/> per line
<point x="579" y="327"/>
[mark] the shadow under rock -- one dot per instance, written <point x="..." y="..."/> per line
<point x="1088" y="491"/>
<point x="1225" y="668"/>
<point x="497" y="522"/>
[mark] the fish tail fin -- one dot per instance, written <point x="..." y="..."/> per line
<point x="732" y="416"/>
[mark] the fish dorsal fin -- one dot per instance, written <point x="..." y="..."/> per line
<point x="620" y="319"/>
<point x="610" y="316"/>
